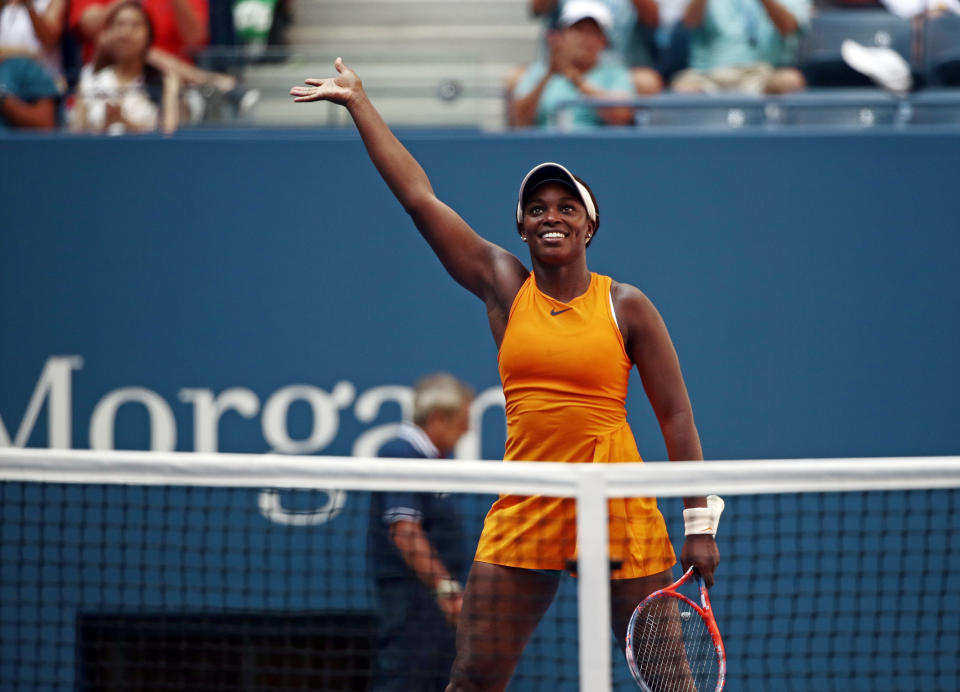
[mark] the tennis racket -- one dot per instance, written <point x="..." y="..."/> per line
<point x="673" y="644"/>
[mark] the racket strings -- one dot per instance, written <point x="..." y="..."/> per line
<point x="673" y="649"/>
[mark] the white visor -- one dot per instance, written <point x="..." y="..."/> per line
<point x="554" y="171"/>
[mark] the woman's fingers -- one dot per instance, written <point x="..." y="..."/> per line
<point x="306" y="93"/>
<point x="315" y="89"/>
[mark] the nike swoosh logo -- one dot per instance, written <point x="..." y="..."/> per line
<point x="554" y="313"/>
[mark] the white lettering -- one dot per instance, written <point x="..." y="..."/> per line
<point x="54" y="385"/>
<point x="369" y="403"/>
<point x="54" y="388"/>
<point x="272" y="509"/>
<point x="368" y="408"/>
<point x="208" y="409"/>
<point x="326" y="422"/>
<point x="163" y="428"/>
<point x="326" y="417"/>
<point x="369" y="443"/>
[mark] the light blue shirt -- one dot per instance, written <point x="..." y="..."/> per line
<point x="740" y="32"/>
<point x="28" y="80"/>
<point x="609" y="74"/>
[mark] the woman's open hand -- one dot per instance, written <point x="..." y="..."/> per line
<point x="340" y="89"/>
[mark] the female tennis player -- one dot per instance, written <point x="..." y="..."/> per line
<point x="568" y="339"/>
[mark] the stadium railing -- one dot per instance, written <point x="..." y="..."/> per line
<point x="850" y="108"/>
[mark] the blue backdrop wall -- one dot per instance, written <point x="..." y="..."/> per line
<point x="808" y="281"/>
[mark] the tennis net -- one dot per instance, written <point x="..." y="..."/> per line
<point x="162" y="571"/>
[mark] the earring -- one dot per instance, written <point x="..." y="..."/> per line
<point x="523" y="238"/>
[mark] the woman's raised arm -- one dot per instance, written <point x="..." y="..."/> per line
<point x="477" y="264"/>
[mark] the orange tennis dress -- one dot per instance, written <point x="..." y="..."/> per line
<point x="565" y="372"/>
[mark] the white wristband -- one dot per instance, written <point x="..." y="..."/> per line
<point x="447" y="586"/>
<point x="703" y="521"/>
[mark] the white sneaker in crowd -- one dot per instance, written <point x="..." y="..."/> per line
<point x="885" y="66"/>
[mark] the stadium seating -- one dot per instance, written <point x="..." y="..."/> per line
<point x="443" y="64"/>
<point x="854" y="108"/>
<point x="425" y="63"/>
<point x="942" y="51"/>
<point x="820" y="58"/>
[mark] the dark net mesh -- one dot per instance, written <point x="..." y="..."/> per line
<point x="123" y="587"/>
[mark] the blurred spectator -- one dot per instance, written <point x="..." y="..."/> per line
<point x="743" y="45"/>
<point x="261" y="24"/>
<point x="671" y="12"/>
<point x="577" y="67"/>
<point x="922" y="8"/>
<point x="631" y="35"/>
<point x="826" y="5"/>
<point x="182" y="28"/>
<point x="33" y="28"/>
<point x="28" y="94"/>
<point x="119" y="92"/>
<point x="223" y="37"/>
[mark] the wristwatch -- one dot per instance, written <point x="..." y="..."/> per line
<point x="448" y="586"/>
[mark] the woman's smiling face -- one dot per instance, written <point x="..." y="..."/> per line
<point x="555" y="223"/>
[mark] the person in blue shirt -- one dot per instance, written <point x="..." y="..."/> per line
<point x="28" y="95"/>
<point x="631" y="36"/>
<point x="578" y="67"/>
<point x="416" y="550"/>
<point x="743" y="45"/>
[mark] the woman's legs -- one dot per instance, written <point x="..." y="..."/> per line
<point x="662" y="660"/>
<point x="626" y="594"/>
<point x="501" y="608"/>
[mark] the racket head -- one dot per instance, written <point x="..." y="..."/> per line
<point x="673" y="644"/>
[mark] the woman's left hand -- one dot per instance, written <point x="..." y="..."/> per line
<point x="340" y="89"/>
<point x="701" y="551"/>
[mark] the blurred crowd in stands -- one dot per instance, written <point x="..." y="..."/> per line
<point x="617" y="49"/>
<point x="111" y="66"/>
<point x="115" y="66"/>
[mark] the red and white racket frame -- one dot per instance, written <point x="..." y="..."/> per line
<point x="704" y="610"/>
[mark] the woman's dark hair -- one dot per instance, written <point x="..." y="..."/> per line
<point x="152" y="77"/>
